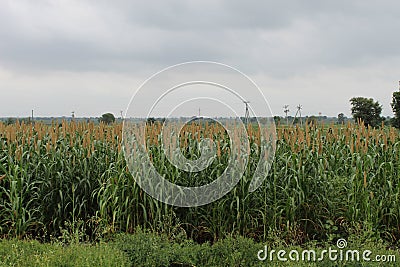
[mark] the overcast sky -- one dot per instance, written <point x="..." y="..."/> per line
<point x="91" y="56"/>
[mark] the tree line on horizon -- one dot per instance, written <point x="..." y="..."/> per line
<point x="367" y="111"/>
<point x="363" y="109"/>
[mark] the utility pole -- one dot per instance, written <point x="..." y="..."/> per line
<point x="32" y="115"/>
<point x="246" y="113"/>
<point x="73" y="115"/>
<point x="122" y="116"/>
<point x="286" y="110"/>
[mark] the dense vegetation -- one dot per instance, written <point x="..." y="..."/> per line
<point x="149" y="249"/>
<point x="325" y="183"/>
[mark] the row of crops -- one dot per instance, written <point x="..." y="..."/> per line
<point x="325" y="182"/>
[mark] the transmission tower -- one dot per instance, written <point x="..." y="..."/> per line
<point x="286" y="110"/>
<point x="247" y="112"/>
<point x="299" y="108"/>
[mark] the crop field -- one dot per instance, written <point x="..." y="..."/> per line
<point x="326" y="182"/>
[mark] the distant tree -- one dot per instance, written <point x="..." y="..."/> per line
<point x="396" y="109"/>
<point x="151" y="120"/>
<point x="312" y="120"/>
<point x="277" y="119"/>
<point x="10" y="121"/>
<point x="367" y="110"/>
<point x="107" y="118"/>
<point x="385" y="121"/>
<point x="341" y="118"/>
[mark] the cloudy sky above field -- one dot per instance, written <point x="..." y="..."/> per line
<point x="91" y="56"/>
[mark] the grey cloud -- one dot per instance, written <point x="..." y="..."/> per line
<point x="128" y="35"/>
<point x="280" y="42"/>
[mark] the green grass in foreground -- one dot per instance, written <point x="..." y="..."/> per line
<point x="33" y="253"/>
<point x="148" y="249"/>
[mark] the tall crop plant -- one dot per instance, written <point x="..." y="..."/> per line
<point x="325" y="182"/>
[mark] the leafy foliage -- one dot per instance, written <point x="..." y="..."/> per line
<point x="107" y="118"/>
<point x="396" y="109"/>
<point x="366" y="110"/>
<point x="341" y="118"/>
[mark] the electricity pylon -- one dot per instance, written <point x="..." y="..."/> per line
<point x="299" y="108"/>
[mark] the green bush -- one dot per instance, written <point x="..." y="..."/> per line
<point x="149" y="249"/>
